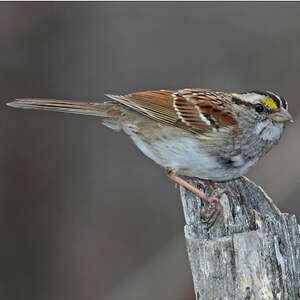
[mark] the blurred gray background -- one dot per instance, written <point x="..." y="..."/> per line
<point x="83" y="214"/>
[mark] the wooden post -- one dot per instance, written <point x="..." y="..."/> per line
<point x="251" y="253"/>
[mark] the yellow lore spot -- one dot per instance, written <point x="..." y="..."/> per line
<point x="269" y="102"/>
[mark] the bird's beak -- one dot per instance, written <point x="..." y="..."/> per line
<point x="281" y="116"/>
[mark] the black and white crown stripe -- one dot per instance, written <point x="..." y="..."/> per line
<point x="279" y="100"/>
<point x="282" y="101"/>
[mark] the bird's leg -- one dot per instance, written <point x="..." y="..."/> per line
<point x="208" y="200"/>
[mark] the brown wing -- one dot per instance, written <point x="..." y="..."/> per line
<point x="155" y="104"/>
<point x="197" y="110"/>
<point x="198" y="106"/>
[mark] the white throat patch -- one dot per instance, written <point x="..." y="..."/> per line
<point x="269" y="131"/>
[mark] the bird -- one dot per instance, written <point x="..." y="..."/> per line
<point x="192" y="132"/>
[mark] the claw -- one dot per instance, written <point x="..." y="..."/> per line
<point x="214" y="201"/>
<point x="212" y="217"/>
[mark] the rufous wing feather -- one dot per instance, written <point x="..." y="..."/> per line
<point x="203" y="110"/>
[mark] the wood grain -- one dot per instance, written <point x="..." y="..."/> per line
<point x="251" y="253"/>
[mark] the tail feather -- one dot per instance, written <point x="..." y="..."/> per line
<point x="93" y="109"/>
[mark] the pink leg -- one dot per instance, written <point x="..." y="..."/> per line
<point x="208" y="200"/>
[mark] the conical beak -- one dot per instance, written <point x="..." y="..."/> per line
<point x="281" y="116"/>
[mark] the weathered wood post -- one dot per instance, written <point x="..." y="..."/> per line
<point x="251" y="253"/>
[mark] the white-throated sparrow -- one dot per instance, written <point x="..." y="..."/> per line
<point x="193" y="132"/>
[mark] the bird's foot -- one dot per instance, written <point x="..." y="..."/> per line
<point x="211" y="208"/>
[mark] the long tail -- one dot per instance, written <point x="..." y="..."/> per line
<point x="93" y="109"/>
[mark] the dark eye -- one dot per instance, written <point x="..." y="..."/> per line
<point x="259" y="108"/>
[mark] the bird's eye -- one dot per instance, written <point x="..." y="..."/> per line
<point x="259" y="108"/>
